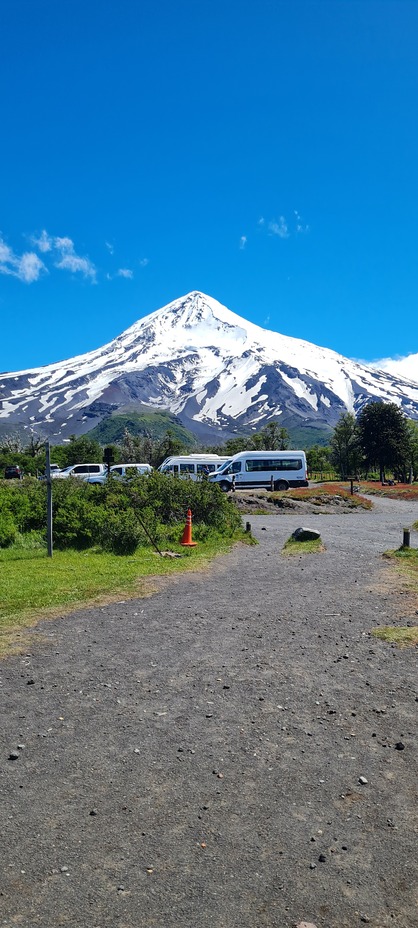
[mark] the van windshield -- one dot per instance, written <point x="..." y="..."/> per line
<point x="223" y="467"/>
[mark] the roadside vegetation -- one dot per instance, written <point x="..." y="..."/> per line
<point x="405" y="491"/>
<point x="294" y="547"/>
<point x="406" y="562"/>
<point x="404" y="636"/>
<point x="330" y="491"/>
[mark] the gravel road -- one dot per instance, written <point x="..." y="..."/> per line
<point x="195" y="758"/>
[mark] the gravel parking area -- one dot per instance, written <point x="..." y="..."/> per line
<point x="235" y="751"/>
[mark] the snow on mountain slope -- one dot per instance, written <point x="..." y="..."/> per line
<point x="215" y="370"/>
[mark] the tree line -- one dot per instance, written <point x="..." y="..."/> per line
<point x="381" y="439"/>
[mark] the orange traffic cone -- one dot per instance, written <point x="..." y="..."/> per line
<point x="186" y="540"/>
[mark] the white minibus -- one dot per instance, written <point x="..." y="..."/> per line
<point x="252" y="469"/>
<point x="192" y="466"/>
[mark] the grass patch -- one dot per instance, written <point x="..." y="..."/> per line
<point x="293" y="547"/>
<point x="35" y="587"/>
<point x="406" y="561"/>
<point x="403" y="636"/>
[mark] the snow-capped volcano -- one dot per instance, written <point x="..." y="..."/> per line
<point x="196" y="358"/>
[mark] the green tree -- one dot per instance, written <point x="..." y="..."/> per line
<point x="345" y="446"/>
<point x="385" y="438"/>
<point x="168" y="446"/>
<point x="412" y="426"/>
<point x="82" y="450"/>
<point x="318" y="458"/>
<point x="274" y="437"/>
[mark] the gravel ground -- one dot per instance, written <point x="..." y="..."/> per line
<point x="194" y="758"/>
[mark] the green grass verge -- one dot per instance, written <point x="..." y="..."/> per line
<point x="292" y="547"/>
<point x="406" y="562"/>
<point x="403" y="635"/>
<point x="34" y="587"/>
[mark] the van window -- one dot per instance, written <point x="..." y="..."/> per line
<point x="116" y="470"/>
<point x="186" y="468"/>
<point x="273" y="464"/>
<point x="205" y="467"/>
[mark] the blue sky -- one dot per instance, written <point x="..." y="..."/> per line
<point x="263" y="151"/>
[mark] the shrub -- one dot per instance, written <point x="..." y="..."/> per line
<point x="121" y="534"/>
<point x="8" y="530"/>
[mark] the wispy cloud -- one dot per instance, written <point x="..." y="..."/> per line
<point x="279" y="228"/>
<point x="301" y="226"/>
<point x="26" y="267"/>
<point x="143" y="262"/>
<point x="43" y="242"/>
<point x="110" y="247"/>
<point x="125" y="272"/>
<point x="283" y="227"/>
<point x="66" y="258"/>
<point x="242" y="242"/>
<point x="70" y="261"/>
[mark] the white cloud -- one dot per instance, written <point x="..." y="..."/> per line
<point x="242" y="242"/>
<point x="27" y="267"/>
<point x="143" y="262"/>
<point x="43" y="242"/>
<point x="110" y="247"/>
<point x="30" y="267"/>
<point x="67" y="260"/>
<point x="279" y="228"/>
<point x="125" y="272"/>
<point x="301" y="226"/>
<point x="70" y="261"/>
<point x="261" y="221"/>
<point x="406" y="367"/>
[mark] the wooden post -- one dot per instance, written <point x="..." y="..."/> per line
<point x="248" y="527"/>
<point x="352" y="486"/>
<point x="406" y="538"/>
<point x="233" y="483"/>
<point x="272" y="483"/>
<point x="49" y="499"/>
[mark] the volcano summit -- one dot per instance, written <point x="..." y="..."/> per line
<point x="220" y="374"/>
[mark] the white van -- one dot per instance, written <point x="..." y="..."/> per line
<point x="192" y="466"/>
<point x="252" y="469"/>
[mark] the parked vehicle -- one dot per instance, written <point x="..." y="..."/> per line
<point x="80" y="470"/>
<point x="192" y="466"/>
<point x="130" y="470"/>
<point x="120" y="472"/>
<point x="13" y="472"/>
<point x="54" y="470"/>
<point x="254" y="469"/>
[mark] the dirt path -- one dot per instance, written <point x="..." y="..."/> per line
<point x="194" y="758"/>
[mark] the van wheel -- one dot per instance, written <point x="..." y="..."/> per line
<point x="225" y="486"/>
<point x="281" y="485"/>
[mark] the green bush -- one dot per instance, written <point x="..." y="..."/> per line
<point x="117" y="515"/>
<point x="8" y="530"/>
<point x="121" y="533"/>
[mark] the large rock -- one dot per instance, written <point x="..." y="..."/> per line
<point x="305" y="534"/>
